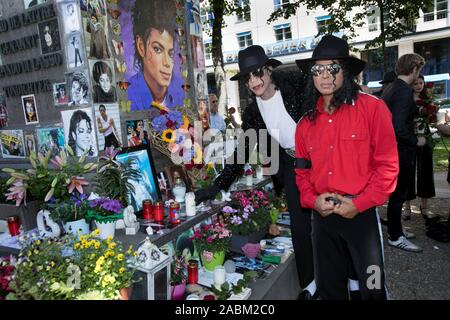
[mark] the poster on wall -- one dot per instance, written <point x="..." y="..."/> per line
<point x="3" y="112"/>
<point x="70" y="16"/>
<point x="49" y="35"/>
<point x="31" y="3"/>
<point x="103" y="89"/>
<point x="151" y="52"/>
<point x="201" y="87"/>
<point x="195" y="23"/>
<point x="78" y="86"/>
<point x="79" y="131"/>
<point x="95" y="29"/>
<point x="30" y="142"/>
<point x="137" y="132"/>
<point x="30" y="109"/>
<point x="108" y="126"/>
<point x="198" y="55"/>
<point x="12" y="144"/>
<point x="50" y="140"/>
<point x="60" y="95"/>
<point x="76" y="56"/>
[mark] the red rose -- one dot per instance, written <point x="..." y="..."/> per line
<point x="231" y="110"/>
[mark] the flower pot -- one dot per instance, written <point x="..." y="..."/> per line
<point x="26" y="213"/>
<point x="125" y="293"/>
<point x="78" y="227"/>
<point x="217" y="260"/>
<point x="274" y="215"/>
<point x="238" y="241"/>
<point x="177" y="291"/>
<point x="106" y="229"/>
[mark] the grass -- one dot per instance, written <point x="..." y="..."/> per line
<point x="440" y="154"/>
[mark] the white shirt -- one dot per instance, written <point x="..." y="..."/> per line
<point x="217" y="122"/>
<point x="279" y="123"/>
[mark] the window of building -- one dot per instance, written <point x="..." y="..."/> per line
<point x="208" y="47"/>
<point x="278" y="4"/>
<point x="283" y="32"/>
<point x="375" y="61"/>
<point x="245" y="15"/>
<point x="438" y="9"/>
<point x="244" y="39"/>
<point x="322" y="23"/>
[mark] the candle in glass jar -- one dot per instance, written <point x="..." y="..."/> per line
<point x="192" y="272"/>
<point x="158" y="211"/>
<point x="219" y="276"/>
<point x="147" y="209"/>
<point x="190" y="204"/>
<point x="13" y="225"/>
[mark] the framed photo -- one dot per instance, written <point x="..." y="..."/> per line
<point x="79" y="130"/>
<point x="12" y="145"/>
<point x="147" y="186"/>
<point x="60" y="94"/>
<point x="78" y="87"/>
<point x="49" y="35"/>
<point x="30" y="109"/>
<point x="71" y="17"/>
<point x="30" y="143"/>
<point x="50" y="140"/>
<point x="74" y="51"/>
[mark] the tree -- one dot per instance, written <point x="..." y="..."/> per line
<point x="397" y="17"/>
<point x="219" y="10"/>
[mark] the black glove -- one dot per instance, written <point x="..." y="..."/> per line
<point x="206" y="194"/>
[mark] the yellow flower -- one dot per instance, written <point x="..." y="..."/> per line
<point x="109" y="239"/>
<point x="159" y="107"/>
<point x="82" y="237"/>
<point x="120" y="257"/>
<point x="38" y="242"/>
<point x="92" y="256"/>
<point x="134" y="254"/>
<point x="76" y="246"/>
<point x="48" y="268"/>
<point x="52" y="264"/>
<point x="168" y="136"/>
<point x="29" y="253"/>
<point x="96" y="232"/>
<point x="96" y="245"/>
<point x="36" y="251"/>
<point x="185" y="122"/>
<point x="122" y="270"/>
<point x="198" y="158"/>
<point x="210" y="165"/>
<point x="111" y="246"/>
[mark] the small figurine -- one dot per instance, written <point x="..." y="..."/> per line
<point x="131" y="223"/>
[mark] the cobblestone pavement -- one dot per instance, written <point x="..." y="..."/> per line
<point x="425" y="275"/>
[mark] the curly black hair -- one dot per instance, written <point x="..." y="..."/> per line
<point x="148" y="15"/>
<point x="345" y="94"/>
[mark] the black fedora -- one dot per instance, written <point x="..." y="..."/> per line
<point x="252" y="58"/>
<point x="389" y="76"/>
<point x="332" y="48"/>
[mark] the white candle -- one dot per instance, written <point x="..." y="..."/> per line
<point x="219" y="276"/>
<point x="190" y="204"/>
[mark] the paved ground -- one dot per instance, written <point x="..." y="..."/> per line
<point x="424" y="275"/>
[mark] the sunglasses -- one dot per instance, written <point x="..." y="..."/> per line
<point x="319" y="69"/>
<point x="258" y="73"/>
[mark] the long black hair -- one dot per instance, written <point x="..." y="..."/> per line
<point x="345" y="94"/>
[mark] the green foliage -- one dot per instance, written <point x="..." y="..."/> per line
<point x="70" y="210"/>
<point x="3" y="190"/>
<point x="225" y="291"/>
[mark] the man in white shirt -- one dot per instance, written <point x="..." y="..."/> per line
<point x="216" y="120"/>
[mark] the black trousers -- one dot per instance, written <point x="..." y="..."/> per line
<point x="425" y="175"/>
<point x="300" y="224"/>
<point x="342" y="246"/>
<point x="406" y="157"/>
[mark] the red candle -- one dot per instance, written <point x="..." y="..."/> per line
<point x="147" y="209"/>
<point x="158" y="211"/>
<point x="192" y="272"/>
<point x="174" y="213"/>
<point x="13" y="225"/>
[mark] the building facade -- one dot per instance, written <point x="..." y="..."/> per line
<point x="295" y="38"/>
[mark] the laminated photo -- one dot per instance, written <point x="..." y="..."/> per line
<point x="12" y="144"/>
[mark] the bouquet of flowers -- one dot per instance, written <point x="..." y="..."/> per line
<point x="178" y="270"/>
<point x="252" y="214"/>
<point x="210" y="238"/>
<point x="105" y="210"/>
<point x="427" y="114"/>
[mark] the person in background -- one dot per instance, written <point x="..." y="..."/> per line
<point x="346" y="166"/>
<point x="424" y="159"/>
<point x="215" y="119"/>
<point x="388" y="78"/>
<point x="399" y="98"/>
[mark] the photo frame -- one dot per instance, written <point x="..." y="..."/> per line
<point x="147" y="187"/>
<point x="60" y="94"/>
<point x="30" y="109"/>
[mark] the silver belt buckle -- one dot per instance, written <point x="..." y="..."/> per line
<point x="290" y="152"/>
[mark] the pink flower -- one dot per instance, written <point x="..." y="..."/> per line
<point x="17" y="192"/>
<point x="77" y="183"/>
<point x="208" y="255"/>
<point x="58" y="162"/>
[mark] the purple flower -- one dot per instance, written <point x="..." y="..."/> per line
<point x="248" y="208"/>
<point x="228" y="209"/>
<point x="159" y="123"/>
<point x="245" y="215"/>
<point x="176" y="117"/>
<point x="236" y="220"/>
<point x="112" y="206"/>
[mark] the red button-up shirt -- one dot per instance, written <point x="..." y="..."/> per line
<point x="353" y="152"/>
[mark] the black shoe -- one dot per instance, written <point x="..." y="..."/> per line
<point x="355" y="295"/>
<point x="306" y="295"/>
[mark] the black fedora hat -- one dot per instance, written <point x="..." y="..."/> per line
<point x="252" y="58"/>
<point x="332" y="48"/>
<point x="389" y="76"/>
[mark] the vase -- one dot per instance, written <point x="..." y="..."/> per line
<point x="274" y="215"/>
<point x="238" y="241"/>
<point x="125" y="293"/>
<point x="78" y="227"/>
<point x="106" y="229"/>
<point x="177" y="291"/>
<point x="179" y="192"/>
<point x="217" y="260"/>
<point x="260" y="173"/>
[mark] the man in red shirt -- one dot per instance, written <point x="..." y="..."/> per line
<point x="347" y="164"/>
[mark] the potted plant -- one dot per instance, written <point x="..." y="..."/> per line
<point x="178" y="277"/>
<point x="212" y="241"/>
<point x="105" y="212"/>
<point x="250" y="219"/>
<point x="70" y="213"/>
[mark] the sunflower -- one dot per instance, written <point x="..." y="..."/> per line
<point x="159" y="107"/>
<point x="168" y="136"/>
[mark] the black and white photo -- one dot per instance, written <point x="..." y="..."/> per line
<point x="103" y="89"/>
<point x="49" y="35"/>
<point x="79" y="132"/>
<point x="76" y="56"/>
<point x="71" y="16"/>
<point x="30" y="109"/>
<point x="77" y="83"/>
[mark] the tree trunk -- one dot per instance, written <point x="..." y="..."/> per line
<point x="218" y="7"/>
<point x="383" y="43"/>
